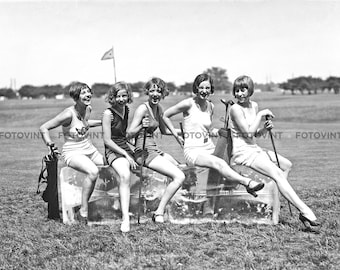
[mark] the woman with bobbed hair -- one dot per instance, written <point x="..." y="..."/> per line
<point x="197" y="113"/>
<point x="78" y="151"/>
<point x="148" y="117"/>
<point x="245" y="121"/>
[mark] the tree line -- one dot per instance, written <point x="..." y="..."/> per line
<point x="311" y="85"/>
<point x="301" y="84"/>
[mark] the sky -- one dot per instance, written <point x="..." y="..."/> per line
<point x="57" y="42"/>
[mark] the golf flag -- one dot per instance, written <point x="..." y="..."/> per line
<point x="108" y="54"/>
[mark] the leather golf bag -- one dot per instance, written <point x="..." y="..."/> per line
<point x="49" y="176"/>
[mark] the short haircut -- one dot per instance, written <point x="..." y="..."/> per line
<point x="112" y="92"/>
<point x="243" y="82"/>
<point x="161" y="85"/>
<point x="76" y="88"/>
<point x="201" y="78"/>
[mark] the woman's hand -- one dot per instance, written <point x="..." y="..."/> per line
<point x="133" y="164"/>
<point x="268" y="124"/>
<point x="146" y="121"/>
<point x="180" y="139"/>
<point x="53" y="148"/>
<point x="266" y="112"/>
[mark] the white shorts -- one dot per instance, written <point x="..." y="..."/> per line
<point x="191" y="154"/>
<point x="246" y="155"/>
<point x="72" y="149"/>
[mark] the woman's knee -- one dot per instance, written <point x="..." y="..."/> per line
<point x="93" y="173"/>
<point x="179" y="177"/>
<point x="124" y="177"/>
<point x="219" y="165"/>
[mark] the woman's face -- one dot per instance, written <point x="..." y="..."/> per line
<point x="122" y="97"/>
<point x="85" y="96"/>
<point x="204" y="90"/>
<point x="242" y="94"/>
<point x="155" y="94"/>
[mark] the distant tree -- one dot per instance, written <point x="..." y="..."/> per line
<point x="8" y="93"/>
<point x="171" y="86"/>
<point x="28" y="91"/>
<point x="220" y="77"/>
<point x="50" y="91"/>
<point x="100" y="89"/>
<point x="138" y="87"/>
<point x="287" y="86"/>
<point x="333" y="83"/>
<point x="304" y="83"/>
<point x="185" y="88"/>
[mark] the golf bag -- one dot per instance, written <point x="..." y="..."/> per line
<point x="49" y="177"/>
<point x="223" y="150"/>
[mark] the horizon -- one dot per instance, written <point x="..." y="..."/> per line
<point x="57" y="42"/>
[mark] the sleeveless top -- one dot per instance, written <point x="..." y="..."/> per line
<point x="76" y="135"/>
<point x="118" y="128"/>
<point x="155" y="122"/>
<point x="239" y="138"/>
<point x="196" y="127"/>
<point x="77" y="130"/>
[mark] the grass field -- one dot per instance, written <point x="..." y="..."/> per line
<point x="307" y="131"/>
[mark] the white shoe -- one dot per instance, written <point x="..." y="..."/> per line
<point x="125" y="226"/>
<point x="158" y="218"/>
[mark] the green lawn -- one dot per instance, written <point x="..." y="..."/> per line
<point x="307" y="132"/>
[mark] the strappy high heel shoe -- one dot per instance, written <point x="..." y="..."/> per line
<point x="157" y="218"/>
<point x="307" y="222"/>
<point x="253" y="190"/>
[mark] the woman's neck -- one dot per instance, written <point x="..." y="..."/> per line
<point x="80" y="109"/>
<point x="202" y="103"/>
<point x="119" y="108"/>
<point x="245" y="104"/>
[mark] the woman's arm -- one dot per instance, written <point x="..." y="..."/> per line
<point x="181" y="107"/>
<point x="136" y="123"/>
<point x="94" y="123"/>
<point x="239" y="119"/>
<point x="213" y="132"/>
<point x="63" y="118"/>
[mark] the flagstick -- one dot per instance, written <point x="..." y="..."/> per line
<point x="114" y="64"/>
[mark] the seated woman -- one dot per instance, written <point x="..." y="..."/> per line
<point x="149" y="116"/>
<point x="245" y="120"/>
<point x="117" y="152"/>
<point x="78" y="151"/>
<point x="198" y="147"/>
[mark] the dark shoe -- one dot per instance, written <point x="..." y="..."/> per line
<point x="252" y="190"/>
<point x="307" y="222"/>
<point x="78" y="217"/>
<point x="158" y="218"/>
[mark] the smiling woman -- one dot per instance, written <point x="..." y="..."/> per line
<point x="147" y="118"/>
<point x="78" y="150"/>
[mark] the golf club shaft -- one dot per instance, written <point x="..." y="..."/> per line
<point x="277" y="158"/>
<point x="141" y="174"/>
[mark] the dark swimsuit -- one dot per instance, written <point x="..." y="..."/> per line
<point x="151" y="147"/>
<point x="118" y="135"/>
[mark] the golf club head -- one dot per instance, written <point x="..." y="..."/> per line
<point x="227" y="103"/>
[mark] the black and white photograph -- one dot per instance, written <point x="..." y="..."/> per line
<point x="170" y="134"/>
